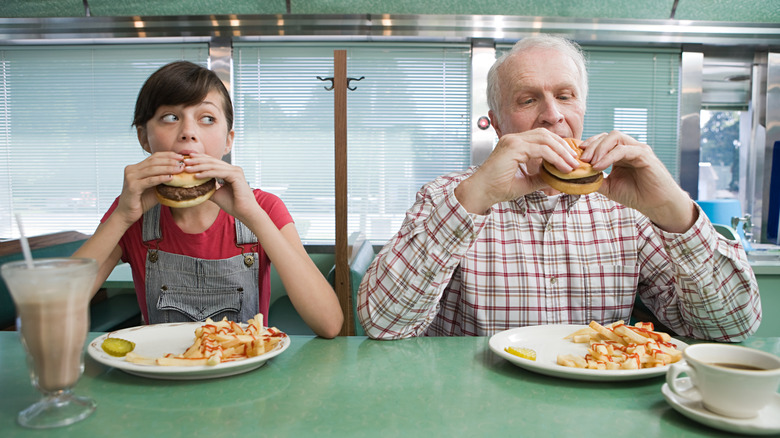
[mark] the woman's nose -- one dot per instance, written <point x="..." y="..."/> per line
<point x="188" y="131"/>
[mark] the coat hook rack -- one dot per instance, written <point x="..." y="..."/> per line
<point x="327" y="79"/>
<point x="348" y="81"/>
<point x="353" y="79"/>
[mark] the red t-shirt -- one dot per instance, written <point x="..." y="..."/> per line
<point x="218" y="242"/>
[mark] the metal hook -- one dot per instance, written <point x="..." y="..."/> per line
<point x="327" y="79"/>
<point x="354" y="79"/>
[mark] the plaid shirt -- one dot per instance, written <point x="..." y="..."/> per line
<point x="536" y="261"/>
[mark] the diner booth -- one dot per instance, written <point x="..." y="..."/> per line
<point x="346" y="147"/>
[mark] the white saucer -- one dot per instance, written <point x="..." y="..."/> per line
<point x="767" y="422"/>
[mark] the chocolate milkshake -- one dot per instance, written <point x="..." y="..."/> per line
<point x="52" y="299"/>
<point x="54" y="332"/>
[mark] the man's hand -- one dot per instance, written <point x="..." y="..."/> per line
<point x="512" y="169"/>
<point x="640" y="180"/>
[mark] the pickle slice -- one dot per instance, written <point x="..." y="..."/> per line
<point x="117" y="347"/>
<point x="525" y="353"/>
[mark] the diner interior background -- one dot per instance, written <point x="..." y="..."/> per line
<point x="70" y="72"/>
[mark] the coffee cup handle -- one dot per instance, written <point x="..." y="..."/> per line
<point x="687" y="392"/>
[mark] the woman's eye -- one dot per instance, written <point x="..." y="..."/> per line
<point x="169" y="118"/>
<point x="209" y="120"/>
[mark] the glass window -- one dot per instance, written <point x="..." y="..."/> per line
<point x="719" y="154"/>
<point x="407" y="124"/>
<point x="65" y="130"/>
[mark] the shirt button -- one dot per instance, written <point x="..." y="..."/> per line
<point x="549" y="226"/>
<point x="458" y="233"/>
<point x="553" y="280"/>
<point x="686" y="251"/>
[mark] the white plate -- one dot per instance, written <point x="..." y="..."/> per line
<point x="548" y="342"/>
<point x="159" y="339"/>
<point x="767" y="422"/>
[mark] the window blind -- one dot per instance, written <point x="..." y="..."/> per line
<point x="65" y="129"/>
<point x="634" y="90"/>
<point x="407" y="124"/>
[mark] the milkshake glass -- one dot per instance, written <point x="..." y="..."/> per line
<point x="52" y="308"/>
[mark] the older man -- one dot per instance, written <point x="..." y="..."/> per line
<point x="494" y="247"/>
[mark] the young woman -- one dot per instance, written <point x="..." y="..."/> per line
<point x="211" y="259"/>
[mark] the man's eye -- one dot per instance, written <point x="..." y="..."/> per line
<point x="169" y="118"/>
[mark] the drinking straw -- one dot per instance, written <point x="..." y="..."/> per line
<point x="25" y="244"/>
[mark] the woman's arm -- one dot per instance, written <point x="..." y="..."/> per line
<point x="309" y="291"/>
<point x="103" y="246"/>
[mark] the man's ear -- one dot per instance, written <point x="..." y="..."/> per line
<point x="143" y="139"/>
<point x="494" y="123"/>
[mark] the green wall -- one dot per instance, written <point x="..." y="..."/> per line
<point x="759" y="11"/>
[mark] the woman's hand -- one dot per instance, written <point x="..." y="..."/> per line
<point x="233" y="192"/>
<point x="139" y="182"/>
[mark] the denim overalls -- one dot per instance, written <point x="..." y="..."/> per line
<point x="181" y="288"/>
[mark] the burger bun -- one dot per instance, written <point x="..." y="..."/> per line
<point x="580" y="181"/>
<point x="185" y="198"/>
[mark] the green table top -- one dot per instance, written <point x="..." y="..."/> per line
<point x="353" y="386"/>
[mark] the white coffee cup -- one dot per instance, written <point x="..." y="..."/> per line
<point x="729" y="380"/>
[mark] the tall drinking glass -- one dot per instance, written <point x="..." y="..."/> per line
<point x="52" y="305"/>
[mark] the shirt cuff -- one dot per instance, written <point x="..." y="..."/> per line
<point x="453" y="227"/>
<point x="696" y="245"/>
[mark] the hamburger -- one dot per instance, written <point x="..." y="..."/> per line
<point x="580" y="181"/>
<point x="184" y="190"/>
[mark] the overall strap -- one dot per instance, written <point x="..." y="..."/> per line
<point x="151" y="224"/>
<point x="243" y="234"/>
<point x="151" y="228"/>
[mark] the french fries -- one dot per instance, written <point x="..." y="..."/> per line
<point x="220" y="342"/>
<point x="621" y="347"/>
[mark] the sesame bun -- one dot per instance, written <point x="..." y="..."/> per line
<point x="580" y="181"/>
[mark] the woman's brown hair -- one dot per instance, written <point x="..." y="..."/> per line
<point x="179" y="83"/>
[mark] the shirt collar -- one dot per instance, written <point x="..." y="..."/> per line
<point x="534" y="200"/>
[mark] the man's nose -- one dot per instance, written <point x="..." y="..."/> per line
<point x="550" y="113"/>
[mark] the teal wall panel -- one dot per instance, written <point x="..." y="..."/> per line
<point x="729" y="10"/>
<point x="185" y="7"/>
<point x="659" y="9"/>
<point x="759" y="11"/>
<point x="42" y="8"/>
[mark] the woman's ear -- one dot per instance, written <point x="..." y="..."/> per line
<point x="143" y="139"/>
<point x="229" y="142"/>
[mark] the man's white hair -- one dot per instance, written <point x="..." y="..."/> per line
<point x="544" y="41"/>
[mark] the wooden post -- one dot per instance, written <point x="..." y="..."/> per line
<point x="342" y="282"/>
